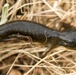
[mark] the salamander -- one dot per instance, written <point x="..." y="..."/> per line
<point x="38" y="32"/>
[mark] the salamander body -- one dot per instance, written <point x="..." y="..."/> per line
<point x="36" y="31"/>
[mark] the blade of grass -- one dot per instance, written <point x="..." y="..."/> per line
<point x="4" y="14"/>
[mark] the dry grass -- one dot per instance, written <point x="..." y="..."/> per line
<point x="19" y="57"/>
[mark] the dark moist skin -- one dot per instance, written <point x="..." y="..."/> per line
<point x="39" y="33"/>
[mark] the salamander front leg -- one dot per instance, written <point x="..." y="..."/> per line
<point x="53" y="44"/>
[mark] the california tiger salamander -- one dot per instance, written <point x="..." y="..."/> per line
<point x="39" y="32"/>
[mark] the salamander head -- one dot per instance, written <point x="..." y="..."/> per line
<point x="68" y="39"/>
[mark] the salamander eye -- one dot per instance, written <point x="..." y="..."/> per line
<point x="63" y="43"/>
